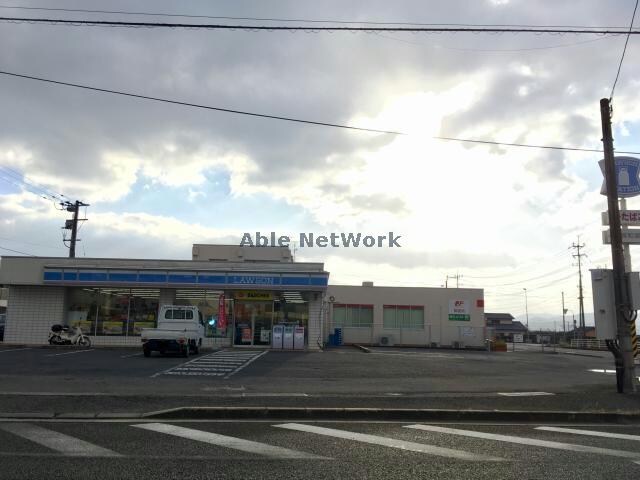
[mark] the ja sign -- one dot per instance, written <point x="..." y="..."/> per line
<point x="627" y="176"/>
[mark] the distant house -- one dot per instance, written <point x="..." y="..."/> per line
<point x="503" y="326"/>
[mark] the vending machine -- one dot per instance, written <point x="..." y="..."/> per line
<point x="298" y="338"/>
<point x="276" y="336"/>
<point x="287" y="338"/>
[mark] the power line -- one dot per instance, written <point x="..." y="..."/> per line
<point x="496" y="50"/>
<point x="17" y="251"/>
<point x="295" y="120"/>
<point x="270" y="19"/>
<point x="624" y="50"/>
<point x="317" y="29"/>
<point x="27" y="181"/>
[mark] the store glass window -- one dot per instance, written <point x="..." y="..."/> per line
<point x="113" y="311"/>
<point x="143" y="309"/>
<point x="208" y="302"/>
<point x="403" y="316"/>
<point x="82" y="306"/>
<point x="359" y="316"/>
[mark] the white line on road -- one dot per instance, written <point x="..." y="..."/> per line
<point x="524" y="394"/>
<point x="528" y="441"/>
<point x="229" y="442"/>
<point x="244" y="365"/>
<point x="15" y="350"/>
<point x="59" y="442"/>
<point x="133" y="355"/>
<point x="389" y="442"/>
<point x="68" y="353"/>
<point x="591" y="433"/>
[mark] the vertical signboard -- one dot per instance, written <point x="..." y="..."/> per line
<point x="222" y="314"/>
<point x="459" y="311"/>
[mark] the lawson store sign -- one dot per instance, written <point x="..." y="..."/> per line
<point x="179" y="279"/>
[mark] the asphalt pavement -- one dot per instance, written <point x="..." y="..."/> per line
<point x="121" y="380"/>
<point x="289" y="449"/>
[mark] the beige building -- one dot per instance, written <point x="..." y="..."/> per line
<point x="370" y="315"/>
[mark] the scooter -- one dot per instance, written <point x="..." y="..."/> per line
<point x="64" y="335"/>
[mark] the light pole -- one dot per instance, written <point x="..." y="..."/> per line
<point x="526" y="309"/>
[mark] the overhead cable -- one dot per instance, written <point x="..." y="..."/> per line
<point x="297" y="120"/>
<point x="318" y="29"/>
<point x="624" y="50"/>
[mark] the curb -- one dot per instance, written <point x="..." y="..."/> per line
<point x="364" y="349"/>
<point x="389" y="414"/>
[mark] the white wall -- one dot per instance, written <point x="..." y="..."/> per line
<point x="31" y="311"/>
<point x="435" y="301"/>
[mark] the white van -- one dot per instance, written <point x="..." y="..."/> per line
<point x="180" y="330"/>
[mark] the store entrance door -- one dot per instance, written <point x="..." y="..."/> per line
<point x="252" y="323"/>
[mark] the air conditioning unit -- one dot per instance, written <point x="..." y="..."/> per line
<point x="386" y="341"/>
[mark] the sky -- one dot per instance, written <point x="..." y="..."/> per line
<point x="160" y="177"/>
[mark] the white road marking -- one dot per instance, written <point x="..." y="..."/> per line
<point x="601" y="370"/>
<point x="389" y="442"/>
<point x="528" y="441"/>
<point x="69" y="353"/>
<point x="229" y="442"/>
<point x="524" y="394"/>
<point x="14" y="349"/>
<point x="129" y="356"/>
<point x="216" y="364"/>
<point x="591" y="433"/>
<point x="242" y="366"/>
<point x="65" y="444"/>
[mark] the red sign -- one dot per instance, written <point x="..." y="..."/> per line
<point x="222" y="316"/>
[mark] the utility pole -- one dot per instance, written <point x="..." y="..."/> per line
<point x="457" y="276"/>
<point x="72" y="224"/>
<point x="564" y="326"/>
<point x="526" y="309"/>
<point x="580" y="296"/>
<point x="622" y="349"/>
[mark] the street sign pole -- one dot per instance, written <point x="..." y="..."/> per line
<point x="622" y="351"/>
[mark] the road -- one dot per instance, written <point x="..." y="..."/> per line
<point x="290" y="449"/>
<point x="67" y="380"/>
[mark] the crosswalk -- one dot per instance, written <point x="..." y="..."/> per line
<point x="314" y="442"/>
<point x="224" y="363"/>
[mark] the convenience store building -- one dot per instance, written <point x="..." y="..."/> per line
<point x="242" y="292"/>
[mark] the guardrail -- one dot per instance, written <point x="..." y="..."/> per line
<point x="588" y="344"/>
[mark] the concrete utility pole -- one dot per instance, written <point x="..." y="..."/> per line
<point x="564" y="326"/>
<point x="73" y="223"/>
<point x="456" y="276"/>
<point x="622" y="349"/>
<point x="526" y="308"/>
<point x="580" y="295"/>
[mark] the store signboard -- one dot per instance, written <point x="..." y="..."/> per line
<point x="253" y="295"/>
<point x="518" y="338"/>
<point x="246" y="335"/>
<point x="630" y="218"/>
<point x="627" y="176"/>
<point x="459" y="311"/>
<point x="630" y="237"/>
<point x="222" y="314"/>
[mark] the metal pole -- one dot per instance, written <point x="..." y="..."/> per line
<point x="526" y="309"/>
<point x="623" y="351"/>
<point x="564" y="326"/>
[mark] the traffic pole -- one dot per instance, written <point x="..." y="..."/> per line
<point x="622" y="350"/>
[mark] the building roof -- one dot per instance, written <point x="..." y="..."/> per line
<point x="510" y="327"/>
<point x="498" y="316"/>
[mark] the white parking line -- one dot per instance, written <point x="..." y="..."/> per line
<point x="133" y="355"/>
<point x="14" y="350"/>
<point x="529" y="441"/>
<point x="229" y="442"/>
<point x="591" y="433"/>
<point x="68" y="353"/>
<point x="245" y="364"/>
<point x="524" y="394"/>
<point x="65" y="444"/>
<point x="389" y="442"/>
